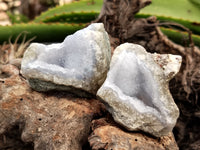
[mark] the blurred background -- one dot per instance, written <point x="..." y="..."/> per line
<point x="16" y="11"/>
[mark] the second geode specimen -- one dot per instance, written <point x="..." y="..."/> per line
<point x="78" y="64"/>
<point x="136" y="89"/>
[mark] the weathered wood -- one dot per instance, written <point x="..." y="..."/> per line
<point x="108" y="136"/>
<point x="54" y="120"/>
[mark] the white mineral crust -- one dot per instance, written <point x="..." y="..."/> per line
<point x="136" y="89"/>
<point x="81" y="61"/>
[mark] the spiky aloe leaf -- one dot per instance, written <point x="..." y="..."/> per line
<point x="195" y="2"/>
<point x="180" y="37"/>
<point x="73" y="17"/>
<point x="193" y="26"/>
<point x="51" y="32"/>
<point x="82" y="13"/>
<point x="79" y="6"/>
<point x="179" y="9"/>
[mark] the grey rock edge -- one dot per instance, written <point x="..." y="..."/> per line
<point x="136" y="89"/>
<point x="79" y="64"/>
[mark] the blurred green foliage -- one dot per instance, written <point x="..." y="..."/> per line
<point x="17" y="18"/>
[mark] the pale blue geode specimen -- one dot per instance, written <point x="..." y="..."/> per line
<point x="79" y="64"/>
<point x="136" y="90"/>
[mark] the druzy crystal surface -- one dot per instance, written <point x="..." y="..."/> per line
<point x="136" y="89"/>
<point x="78" y="64"/>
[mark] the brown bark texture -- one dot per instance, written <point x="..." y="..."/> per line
<point x="106" y="136"/>
<point x="49" y="121"/>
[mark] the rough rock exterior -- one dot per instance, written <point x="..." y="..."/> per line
<point x="52" y="121"/>
<point x="107" y="136"/>
<point x="136" y="89"/>
<point x="80" y="62"/>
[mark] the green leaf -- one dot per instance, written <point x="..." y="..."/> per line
<point x="51" y="32"/>
<point x="179" y="37"/>
<point x="179" y="9"/>
<point x="79" y="6"/>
